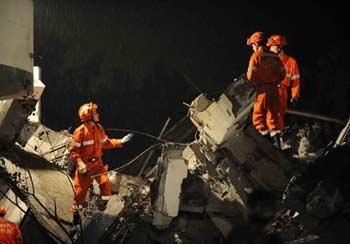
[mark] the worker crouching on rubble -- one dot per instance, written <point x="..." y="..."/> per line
<point x="265" y="71"/>
<point x="88" y="141"/>
<point x="292" y="78"/>
<point x="9" y="232"/>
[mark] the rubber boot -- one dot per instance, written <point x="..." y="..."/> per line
<point x="76" y="219"/>
<point x="102" y="205"/>
<point x="277" y="141"/>
<point x="268" y="137"/>
<point x="75" y="230"/>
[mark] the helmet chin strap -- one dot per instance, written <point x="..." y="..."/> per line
<point x="280" y="50"/>
<point x="90" y="120"/>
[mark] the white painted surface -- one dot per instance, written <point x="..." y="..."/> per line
<point x="16" y="28"/>
<point x="176" y="172"/>
<point x="214" y="119"/>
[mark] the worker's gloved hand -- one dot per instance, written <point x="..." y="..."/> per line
<point x="127" y="138"/>
<point x="82" y="168"/>
<point x="294" y="99"/>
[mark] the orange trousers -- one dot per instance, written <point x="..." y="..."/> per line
<point x="283" y="95"/>
<point x="82" y="183"/>
<point x="266" y="108"/>
<point x="9" y="232"/>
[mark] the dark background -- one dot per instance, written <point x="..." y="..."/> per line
<point x="130" y="57"/>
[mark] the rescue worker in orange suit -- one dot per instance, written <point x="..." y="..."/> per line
<point x="292" y="78"/>
<point x="88" y="141"/>
<point x="9" y="232"/>
<point x="265" y="71"/>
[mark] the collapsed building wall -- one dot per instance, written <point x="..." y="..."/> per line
<point x="46" y="190"/>
<point x="16" y="64"/>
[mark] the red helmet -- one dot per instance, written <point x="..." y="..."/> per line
<point x="256" y="37"/>
<point x="2" y="210"/>
<point x="86" y="111"/>
<point x="277" y="40"/>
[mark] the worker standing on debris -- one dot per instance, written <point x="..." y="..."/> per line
<point x="265" y="71"/>
<point x="292" y="78"/>
<point x="88" y="141"/>
<point x="9" y="232"/>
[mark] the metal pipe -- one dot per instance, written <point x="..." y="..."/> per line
<point x="316" y="116"/>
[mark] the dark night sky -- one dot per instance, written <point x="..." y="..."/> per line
<point x="131" y="57"/>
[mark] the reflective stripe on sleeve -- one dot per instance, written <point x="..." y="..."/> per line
<point x="252" y="68"/>
<point x="106" y="197"/>
<point x="75" y="206"/>
<point x="76" y="144"/>
<point x="268" y="55"/>
<point x="294" y="77"/>
<point x="89" y="142"/>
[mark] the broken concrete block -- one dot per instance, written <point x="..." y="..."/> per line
<point x="214" y="119"/>
<point x="95" y="227"/>
<point x="121" y="182"/>
<point x="196" y="161"/>
<point x="50" y="144"/>
<point x="263" y="165"/>
<point x="35" y="116"/>
<point x="194" y="195"/>
<point x="14" y="213"/>
<point x="220" y="119"/>
<point x="160" y="220"/>
<point x="172" y="171"/>
<point x="15" y="83"/>
<point x="13" y="116"/>
<point x="222" y="224"/>
<point x="16" y="63"/>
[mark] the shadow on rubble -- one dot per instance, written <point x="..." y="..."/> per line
<point x="23" y="158"/>
<point x="316" y="210"/>
<point x="317" y="203"/>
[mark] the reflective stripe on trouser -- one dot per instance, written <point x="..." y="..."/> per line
<point x="265" y="112"/>
<point x="283" y="95"/>
<point x="76" y="207"/>
<point x="82" y="183"/>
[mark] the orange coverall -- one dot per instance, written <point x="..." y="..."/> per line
<point x="265" y="71"/>
<point x="88" y="141"/>
<point x="9" y="232"/>
<point x="292" y="79"/>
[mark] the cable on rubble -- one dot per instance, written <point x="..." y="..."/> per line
<point x="130" y="162"/>
<point x="149" y="135"/>
<point x="147" y="149"/>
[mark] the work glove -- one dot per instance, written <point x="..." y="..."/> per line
<point x="127" y="138"/>
<point x="294" y="99"/>
<point x="82" y="168"/>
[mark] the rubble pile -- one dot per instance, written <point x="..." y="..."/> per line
<point x="228" y="185"/>
<point x="320" y="199"/>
